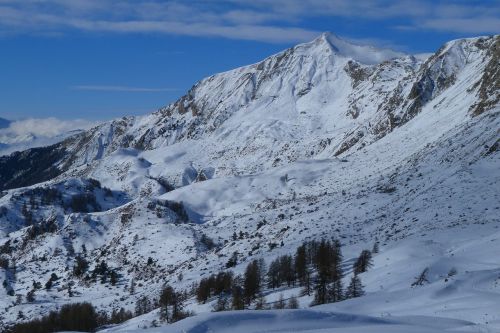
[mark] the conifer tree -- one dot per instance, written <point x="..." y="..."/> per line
<point x="260" y="304"/>
<point x="238" y="298"/>
<point x="280" y="303"/>
<point x="293" y="303"/>
<point x="252" y="281"/>
<point x="363" y="262"/>
<point x="222" y="303"/>
<point x="172" y="305"/>
<point x="301" y="264"/>
<point x="355" y="288"/>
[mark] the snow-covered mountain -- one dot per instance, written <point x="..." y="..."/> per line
<point x="326" y="139"/>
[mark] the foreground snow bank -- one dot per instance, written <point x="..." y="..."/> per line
<point x="308" y="320"/>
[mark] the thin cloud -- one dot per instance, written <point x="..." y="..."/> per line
<point x="27" y="133"/>
<point x="25" y="129"/>
<point x="463" y="25"/>
<point x="120" y="88"/>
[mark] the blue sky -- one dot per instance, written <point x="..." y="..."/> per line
<point x="101" y="59"/>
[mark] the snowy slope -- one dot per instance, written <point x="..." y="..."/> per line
<point x="326" y="139"/>
<point x="467" y="301"/>
<point x="311" y="321"/>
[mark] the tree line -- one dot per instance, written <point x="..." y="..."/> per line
<point x="71" y="317"/>
<point x="85" y="318"/>
<point x="316" y="266"/>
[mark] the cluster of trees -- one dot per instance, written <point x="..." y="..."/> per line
<point x="316" y="266"/>
<point x="170" y="302"/>
<point x="4" y="262"/>
<point x="144" y="305"/>
<point x="53" y="278"/>
<point x="81" y="265"/>
<point x="71" y="317"/>
<point x="162" y="206"/>
<point x="84" y="203"/>
<point x="44" y="196"/>
<point x="47" y="195"/>
<point x="101" y="270"/>
<point x="326" y="257"/>
<point x="84" y="317"/>
<point x="214" y="285"/>
<point x="172" y="305"/>
<point x="207" y="242"/>
<point x="43" y="227"/>
<point x="105" y="273"/>
<point x="6" y="248"/>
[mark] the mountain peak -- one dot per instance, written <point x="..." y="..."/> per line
<point x="366" y="54"/>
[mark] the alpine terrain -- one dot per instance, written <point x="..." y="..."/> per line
<point x="259" y="189"/>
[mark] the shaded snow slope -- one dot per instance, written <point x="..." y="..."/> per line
<point x="311" y="321"/>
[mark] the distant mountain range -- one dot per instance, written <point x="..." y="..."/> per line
<point x="28" y="133"/>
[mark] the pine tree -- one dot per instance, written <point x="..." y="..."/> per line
<point x="301" y="264"/>
<point x="48" y="284"/>
<point x="30" y="296"/>
<point x="287" y="272"/>
<point x="166" y="299"/>
<point x="336" y="291"/>
<point x="203" y="291"/>
<point x="238" y="298"/>
<point x="113" y="277"/>
<point x="223" y="283"/>
<point x="252" y="281"/>
<point x="260" y="304"/>
<point x="273" y="276"/>
<point x="293" y="303"/>
<point x="363" y="262"/>
<point x="280" y="303"/>
<point x="172" y="305"/>
<point x="355" y="288"/>
<point x="132" y="286"/>
<point x="81" y="266"/>
<point x="222" y="303"/>
<point x="327" y="259"/>
<point x="324" y="268"/>
<point x="142" y="306"/>
<point x="233" y="261"/>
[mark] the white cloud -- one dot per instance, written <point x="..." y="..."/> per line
<point x="37" y="132"/>
<point x="262" y="20"/>
<point x="27" y="129"/>
<point x="464" y="25"/>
